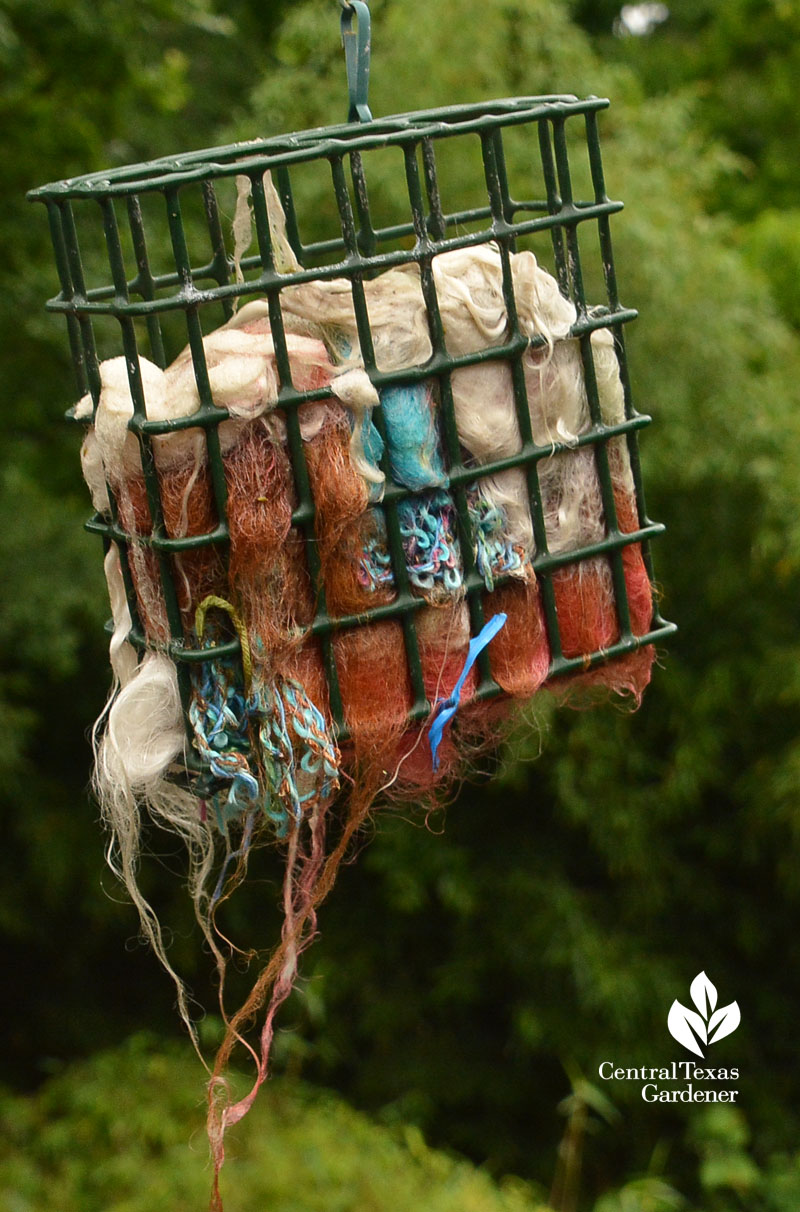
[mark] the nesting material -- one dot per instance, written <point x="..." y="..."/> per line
<point x="300" y="710"/>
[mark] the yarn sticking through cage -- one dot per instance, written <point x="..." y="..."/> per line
<point x="388" y="489"/>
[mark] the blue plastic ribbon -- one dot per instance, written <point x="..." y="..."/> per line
<point x="445" y="709"/>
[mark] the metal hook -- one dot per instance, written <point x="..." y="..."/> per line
<point x="356" y="43"/>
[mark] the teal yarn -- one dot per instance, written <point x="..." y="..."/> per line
<point x="220" y="717"/>
<point x="374" y="562"/>
<point x="430" y="544"/>
<point x="414" y="451"/>
<point x="373" y="448"/>
<point x="301" y="762"/>
<point x="297" y="761"/>
<point x="495" y="555"/>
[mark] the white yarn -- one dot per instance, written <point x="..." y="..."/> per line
<point x="117" y="449"/>
<point x="469" y="290"/>
<point x="122" y="654"/>
<point x="94" y="473"/>
<point x="397" y="317"/>
<point x="470" y="297"/>
<point x="355" y="390"/>
<point x="241" y="228"/>
<point x="144" y="734"/>
<point x="143" y="737"/>
<point x="283" y="254"/>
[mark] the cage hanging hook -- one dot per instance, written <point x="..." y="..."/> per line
<point x="356" y="43"/>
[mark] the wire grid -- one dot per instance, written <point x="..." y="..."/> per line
<point x="359" y="252"/>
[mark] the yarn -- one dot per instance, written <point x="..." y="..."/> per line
<point x="187" y="502"/>
<point x="520" y="654"/>
<point x="300" y="759"/>
<point x="445" y="709"/>
<point x="374" y="680"/>
<point x="220" y="716"/>
<point x="374" y="569"/>
<point x="584" y="595"/>
<point x="495" y="554"/>
<point x="262" y="724"/>
<point x="431" y="550"/>
<point x="414" y="450"/>
<point x="430" y="545"/>
<point x="347" y="530"/>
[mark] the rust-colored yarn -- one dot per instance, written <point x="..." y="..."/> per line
<point x="304" y="663"/>
<point x="345" y="526"/>
<point x="268" y="577"/>
<point x="443" y="636"/>
<point x="637" y="582"/>
<point x="520" y="652"/>
<point x="585" y="606"/>
<point x="373" y="678"/>
<point x="587" y="614"/>
<point x="409" y="774"/>
<point x="187" y="502"/>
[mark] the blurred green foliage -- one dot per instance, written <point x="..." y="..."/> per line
<point x="110" y="1135"/>
<point x="552" y="917"/>
<point x="739" y="63"/>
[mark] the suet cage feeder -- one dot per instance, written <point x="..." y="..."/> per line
<point x="146" y="260"/>
<point x="202" y="290"/>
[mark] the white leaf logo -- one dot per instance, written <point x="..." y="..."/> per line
<point x="680" y="1022"/>
<point x="704" y="995"/>
<point x="726" y="1020"/>
<point x="705" y="1025"/>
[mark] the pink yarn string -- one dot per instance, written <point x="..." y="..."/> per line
<point x="299" y="927"/>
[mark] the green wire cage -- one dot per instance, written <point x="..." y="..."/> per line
<point x="145" y="262"/>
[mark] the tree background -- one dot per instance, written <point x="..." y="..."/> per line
<point x="466" y="980"/>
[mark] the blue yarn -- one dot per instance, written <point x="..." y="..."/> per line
<point x="495" y="555"/>
<point x="428" y="529"/>
<point x="374" y="561"/>
<point x="372" y="445"/>
<point x="220" y="713"/>
<point x="445" y="709"/>
<point x="293" y="743"/>
<point x="414" y="452"/>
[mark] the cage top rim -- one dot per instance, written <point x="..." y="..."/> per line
<point x="314" y="143"/>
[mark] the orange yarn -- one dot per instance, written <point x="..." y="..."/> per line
<point x="520" y="653"/>
<point x="587" y="614"/>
